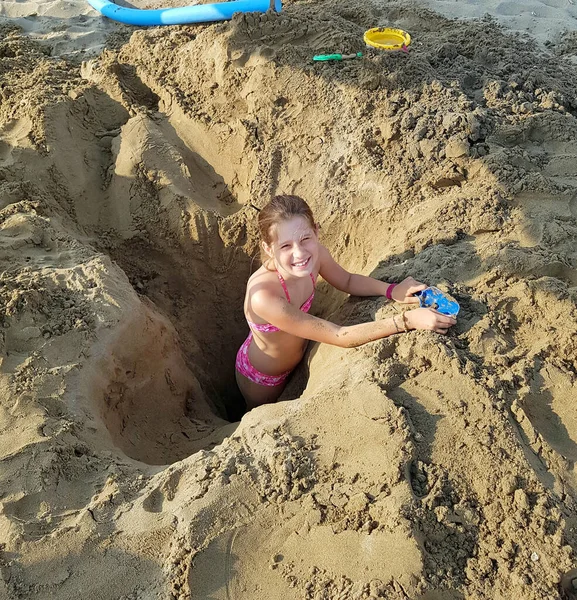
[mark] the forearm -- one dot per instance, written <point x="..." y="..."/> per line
<point x="351" y="336"/>
<point x="361" y="285"/>
<point x="295" y="322"/>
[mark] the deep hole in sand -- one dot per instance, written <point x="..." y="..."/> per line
<point x="168" y="398"/>
<point x="177" y="218"/>
<point x="187" y="245"/>
<point x="172" y="394"/>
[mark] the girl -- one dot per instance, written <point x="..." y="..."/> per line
<point x="279" y="296"/>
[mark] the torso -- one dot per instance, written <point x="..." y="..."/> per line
<point x="274" y="352"/>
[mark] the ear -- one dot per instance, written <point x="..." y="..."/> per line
<point x="317" y="228"/>
<point x="267" y="249"/>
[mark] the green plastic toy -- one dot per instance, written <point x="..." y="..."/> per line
<point x="337" y="56"/>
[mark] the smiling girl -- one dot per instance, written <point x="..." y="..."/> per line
<point x="279" y="296"/>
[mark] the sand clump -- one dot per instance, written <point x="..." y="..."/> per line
<point x="413" y="467"/>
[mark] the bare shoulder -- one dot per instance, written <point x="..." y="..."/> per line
<point x="324" y="254"/>
<point x="262" y="279"/>
<point x="333" y="273"/>
<point x="263" y="286"/>
<point x="325" y="258"/>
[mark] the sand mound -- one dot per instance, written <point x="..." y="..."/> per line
<point x="413" y="467"/>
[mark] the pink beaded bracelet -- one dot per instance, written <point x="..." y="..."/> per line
<point x="389" y="291"/>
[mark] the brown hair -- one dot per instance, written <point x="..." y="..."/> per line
<point x="281" y="208"/>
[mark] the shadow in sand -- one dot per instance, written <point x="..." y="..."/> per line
<point x="538" y="406"/>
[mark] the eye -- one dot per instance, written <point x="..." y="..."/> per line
<point x="307" y="237"/>
<point x="285" y="246"/>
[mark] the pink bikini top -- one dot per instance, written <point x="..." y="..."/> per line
<point x="267" y="327"/>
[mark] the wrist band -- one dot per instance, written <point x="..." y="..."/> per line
<point x="396" y="326"/>
<point x="405" y="322"/>
<point x="390" y="291"/>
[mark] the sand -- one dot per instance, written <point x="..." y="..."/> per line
<point x="419" y="466"/>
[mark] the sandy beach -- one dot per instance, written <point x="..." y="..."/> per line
<point x="132" y="165"/>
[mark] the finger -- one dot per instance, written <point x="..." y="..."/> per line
<point x="441" y="330"/>
<point x="415" y="288"/>
<point x="443" y="318"/>
<point x="411" y="300"/>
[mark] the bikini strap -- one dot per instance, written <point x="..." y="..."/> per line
<point x="284" y="287"/>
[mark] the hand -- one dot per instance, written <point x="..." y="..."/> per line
<point x="403" y="292"/>
<point x="429" y="319"/>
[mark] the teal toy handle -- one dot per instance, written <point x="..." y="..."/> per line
<point x="337" y="56"/>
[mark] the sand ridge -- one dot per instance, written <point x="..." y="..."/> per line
<point x="413" y="467"/>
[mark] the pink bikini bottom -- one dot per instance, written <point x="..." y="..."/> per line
<point x="244" y="367"/>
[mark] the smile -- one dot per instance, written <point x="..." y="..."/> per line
<point x="304" y="263"/>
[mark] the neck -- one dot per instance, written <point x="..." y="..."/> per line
<point x="282" y="272"/>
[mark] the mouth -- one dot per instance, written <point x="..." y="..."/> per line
<point x="302" y="264"/>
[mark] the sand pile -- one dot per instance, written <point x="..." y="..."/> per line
<point x="414" y="467"/>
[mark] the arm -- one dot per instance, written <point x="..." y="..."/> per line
<point x="278" y="312"/>
<point x="360" y="285"/>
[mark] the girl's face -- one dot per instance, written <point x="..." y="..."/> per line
<point x="295" y="247"/>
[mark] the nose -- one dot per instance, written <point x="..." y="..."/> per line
<point x="298" y="249"/>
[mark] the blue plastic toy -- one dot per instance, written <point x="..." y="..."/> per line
<point x="433" y="297"/>
<point x="181" y="15"/>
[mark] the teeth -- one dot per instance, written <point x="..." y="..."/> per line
<point x="301" y="264"/>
